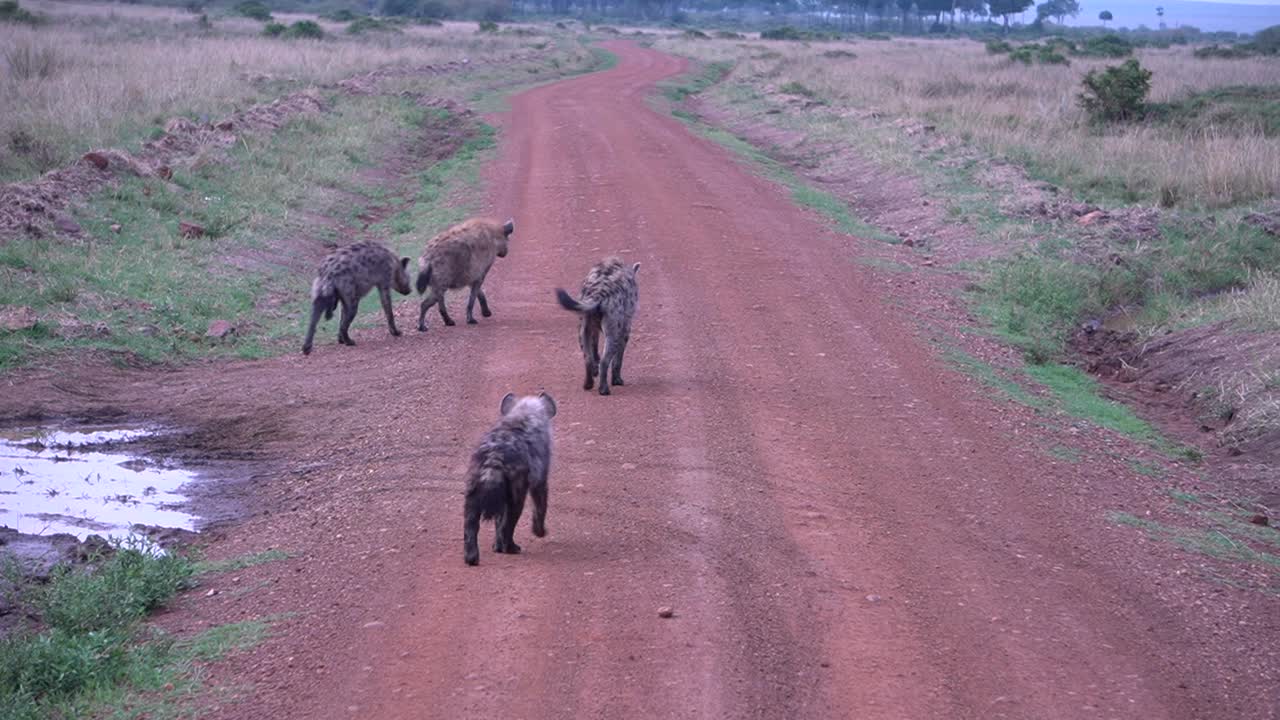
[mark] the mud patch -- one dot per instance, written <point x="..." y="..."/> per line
<point x="82" y="482"/>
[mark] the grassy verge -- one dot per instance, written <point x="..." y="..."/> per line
<point x="91" y="654"/>
<point x="830" y="206"/>
<point x="136" y="289"/>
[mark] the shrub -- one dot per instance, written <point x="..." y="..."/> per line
<point x="786" y="32"/>
<point x="368" y="24"/>
<point x="29" y="62"/>
<point x="1112" y="46"/>
<point x="1024" y="54"/>
<point x="693" y="34"/>
<point x="1117" y="94"/>
<point x="488" y="26"/>
<point x="1227" y="52"/>
<point x="729" y="35"/>
<point x="273" y="29"/>
<point x="795" y="88"/>
<point x="838" y="54"/>
<point x="253" y="9"/>
<point x="1267" y="41"/>
<point x="306" y="29"/>
<point x="122" y="589"/>
<point x="998" y="47"/>
<point x="343" y="15"/>
<point x="10" y="11"/>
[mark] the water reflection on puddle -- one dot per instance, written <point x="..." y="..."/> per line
<point x="77" y="482"/>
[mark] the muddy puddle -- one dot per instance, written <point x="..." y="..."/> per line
<point x="89" y="481"/>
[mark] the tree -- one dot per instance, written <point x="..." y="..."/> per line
<point x="1105" y="16"/>
<point x="1160" y="14"/>
<point x="1007" y="8"/>
<point x="1059" y="9"/>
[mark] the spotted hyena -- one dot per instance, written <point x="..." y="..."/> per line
<point x="460" y="257"/>
<point x="346" y="275"/>
<point x="511" y="462"/>
<point x="608" y="302"/>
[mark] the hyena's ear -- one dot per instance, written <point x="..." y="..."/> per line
<point x="549" y="404"/>
<point x="508" y="402"/>
<point x="635" y="268"/>
<point x="404" y="263"/>
<point x="510" y="227"/>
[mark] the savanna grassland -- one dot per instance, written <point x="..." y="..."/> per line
<point x="1157" y="231"/>
<point x="327" y="137"/>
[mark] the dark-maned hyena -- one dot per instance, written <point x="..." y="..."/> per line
<point x="461" y="257"/>
<point x="345" y="276"/>
<point x="609" y="298"/>
<point x="512" y="461"/>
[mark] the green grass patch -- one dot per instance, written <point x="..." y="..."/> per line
<point x="1078" y="396"/>
<point x="693" y="83"/>
<point x="1234" y="109"/>
<point x="989" y="376"/>
<point x="1218" y="542"/>
<point x="91" y="655"/>
<point x="239" y="563"/>
<point x="1066" y="454"/>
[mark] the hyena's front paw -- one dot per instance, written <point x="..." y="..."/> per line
<point x="450" y="323"/>
<point x="617" y="380"/>
<point x="539" y="528"/>
<point x="471" y="555"/>
<point x="471" y="321"/>
<point x="486" y="312"/>
<point x="589" y="383"/>
<point x="507" y="548"/>
<point x="604" y="387"/>
<point x="395" y="332"/>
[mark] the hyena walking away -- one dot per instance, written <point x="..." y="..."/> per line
<point x="345" y="276"/>
<point x="608" y="302"/>
<point x="460" y="257"/>
<point x="512" y="461"/>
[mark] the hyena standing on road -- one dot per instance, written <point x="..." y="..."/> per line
<point x="608" y="302"/>
<point x="345" y="276"/>
<point x="460" y="257"/>
<point x="512" y="461"/>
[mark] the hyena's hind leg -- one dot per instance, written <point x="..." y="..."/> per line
<point x="444" y="312"/>
<point x="384" y="294"/>
<point x="349" y="307"/>
<point x="589" y="339"/>
<point x="504" y="530"/>
<point x="471" y="302"/>
<point x="427" y="302"/>
<point x="471" y="532"/>
<point x="539" y="495"/>
<point x="617" y="360"/>
<point x="607" y="360"/>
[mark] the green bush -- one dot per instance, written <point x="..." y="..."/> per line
<point x="1228" y="52"/>
<point x="305" y="29"/>
<point x="998" y="47"/>
<point x="786" y="32"/>
<point x="10" y="11"/>
<point x="253" y="9"/>
<point x="1267" y="41"/>
<point x="122" y="589"/>
<point x="1112" y="46"/>
<point x="693" y="34"/>
<point x="1117" y="94"/>
<point x="488" y="26"/>
<point x="273" y="29"/>
<point x="729" y="35"/>
<point x="368" y="24"/>
<point x="343" y="15"/>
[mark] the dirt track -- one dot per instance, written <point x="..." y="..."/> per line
<point x="844" y="527"/>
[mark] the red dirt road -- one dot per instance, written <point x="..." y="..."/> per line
<point x="844" y="527"/>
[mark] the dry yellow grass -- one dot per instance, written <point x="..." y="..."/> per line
<point x="100" y="75"/>
<point x="1030" y="112"/>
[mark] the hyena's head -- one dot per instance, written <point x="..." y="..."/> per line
<point x="508" y="228"/>
<point x="539" y="406"/>
<point x="400" y="279"/>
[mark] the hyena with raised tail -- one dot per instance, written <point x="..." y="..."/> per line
<point x="346" y="275"/>
<point x="511" y="462"/>
<point x="460" y="257"/>
<point x="609" y="298"/>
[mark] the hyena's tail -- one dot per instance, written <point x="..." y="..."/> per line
<point x="323" y="300"/>
<point x="488" y="495"/>
<point x="424" y="279"/>
<point x="568" y="303"/>
<point x="324" y="296"/>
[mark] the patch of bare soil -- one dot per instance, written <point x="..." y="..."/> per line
<point x="1213" y="386"/>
